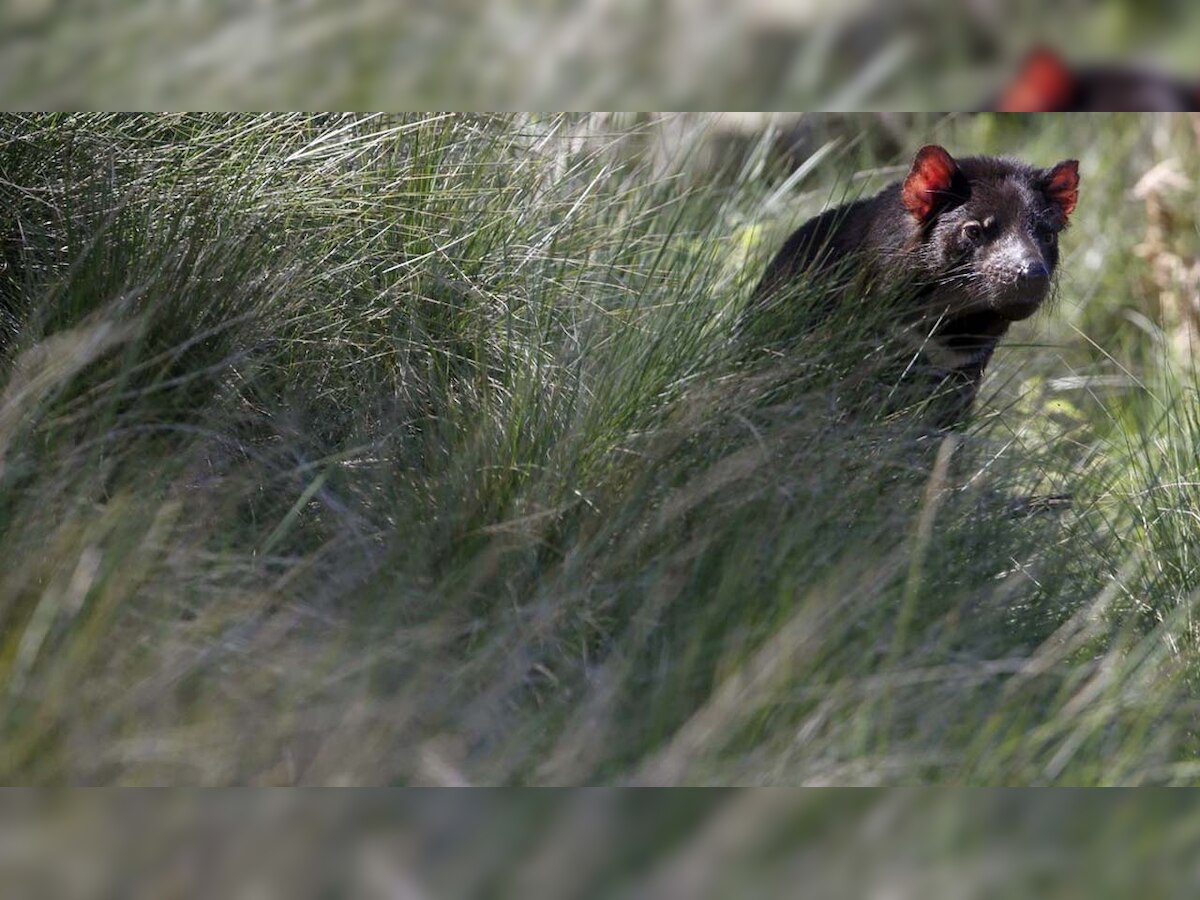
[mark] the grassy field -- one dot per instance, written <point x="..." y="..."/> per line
<point x="351" y="449"/>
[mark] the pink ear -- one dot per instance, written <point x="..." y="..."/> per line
<point x="1043" y="84"/>
<point x="1062" y="186"/>
<point x="929" y="180"/>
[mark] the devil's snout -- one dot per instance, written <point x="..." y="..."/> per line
<point x="1033" y="269"/>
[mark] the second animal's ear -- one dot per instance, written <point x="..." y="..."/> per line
<point x="933" y="180"/>
<point x="1043" y="84"/>
<point x="1062" y="186"/>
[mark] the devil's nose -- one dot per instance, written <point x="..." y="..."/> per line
<point x="1034" y="270"/>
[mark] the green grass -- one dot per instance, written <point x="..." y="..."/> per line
<point x="345" y="449"/>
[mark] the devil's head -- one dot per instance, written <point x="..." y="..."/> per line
<point x="988" y="229"/>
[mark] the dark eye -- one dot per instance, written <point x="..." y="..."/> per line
<point x="973" y="232"/>
<point x="1045" y="233"/>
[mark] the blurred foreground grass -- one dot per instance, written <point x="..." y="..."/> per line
<point x="362" y="449"/>
<point x="593" y="844"/>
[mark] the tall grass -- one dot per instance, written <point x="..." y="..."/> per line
<point x="351" y="449"/>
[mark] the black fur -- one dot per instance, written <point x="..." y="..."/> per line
<point x="981" y="259"/>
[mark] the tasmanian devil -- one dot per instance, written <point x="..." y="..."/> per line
<point x="1046" y="83"/>
<point x="970" y="246"/>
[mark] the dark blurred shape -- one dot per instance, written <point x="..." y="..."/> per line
<point x="1046" y="83"/>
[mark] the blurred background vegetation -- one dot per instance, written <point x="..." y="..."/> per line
<point x="416" y="449"/>
<point x="563" y="54"/>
